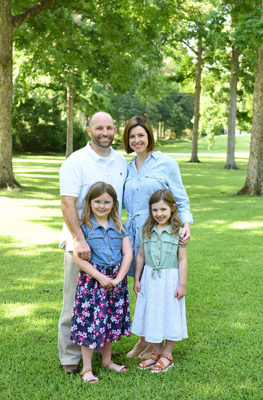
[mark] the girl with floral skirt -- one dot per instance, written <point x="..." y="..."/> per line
<point x="101" y="311"/>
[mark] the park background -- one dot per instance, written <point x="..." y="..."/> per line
<point x="195" y="68"/>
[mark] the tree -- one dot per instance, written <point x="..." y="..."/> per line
<point x="200" y="23"/>
<point x="230" y="161"/>
<point x="254" y="179"/>
<point x="99" y="42"/>
<point x="8" y="25"/>
<point x="241" y="14"/>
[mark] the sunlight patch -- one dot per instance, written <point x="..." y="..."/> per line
<point x="239" y="325"/>
<point x="246" y="225"/>
<point x="19" y="310"/>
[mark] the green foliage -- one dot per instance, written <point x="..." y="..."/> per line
<point x="175" y="110"/>
<point x="117" y="56"/>
<point x="38" y="127"/>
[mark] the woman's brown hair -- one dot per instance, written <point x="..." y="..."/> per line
<point x="132" y="123"/>
<point x="175" y="221"/>
<point x="95" y="191"/>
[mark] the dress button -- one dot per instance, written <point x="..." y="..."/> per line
<point x="109" y="256"/>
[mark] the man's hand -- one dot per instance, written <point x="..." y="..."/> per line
<point x="185" y="235"/>
<point x="82" y="249"/>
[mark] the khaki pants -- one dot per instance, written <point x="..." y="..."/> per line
<point x="69" y="353"/>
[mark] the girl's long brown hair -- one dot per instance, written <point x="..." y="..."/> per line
<point x="175" y="221"/>
<point x="95" y="191"/>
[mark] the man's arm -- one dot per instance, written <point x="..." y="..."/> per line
<point x="71" y="218"/>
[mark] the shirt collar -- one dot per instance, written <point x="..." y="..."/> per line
<point x="155" y="155"/>
<point x="96" y="156"/>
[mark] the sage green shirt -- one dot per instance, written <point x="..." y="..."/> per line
<point x="160" y="250"/>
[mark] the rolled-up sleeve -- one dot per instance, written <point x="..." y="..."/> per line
<point x="176" y="186"/>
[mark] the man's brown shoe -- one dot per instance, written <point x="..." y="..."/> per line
<point x="71" y="369"/>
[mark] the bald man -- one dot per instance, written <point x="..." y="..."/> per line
<point x="97" y="161"/>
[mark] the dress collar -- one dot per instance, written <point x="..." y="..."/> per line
<point x="96" y="225"/>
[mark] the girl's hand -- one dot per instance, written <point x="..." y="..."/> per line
<point x="180" y="292"/>
<point x="137" y="287"/>
<point x="115" y="282"/>
<point x="105" y="281"/>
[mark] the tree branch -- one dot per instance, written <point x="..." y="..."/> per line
<point x="190" y="47"/>
<point x="31" y="13"/>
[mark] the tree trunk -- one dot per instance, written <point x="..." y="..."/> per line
<point x="230" y="161"/>
<point x="198" y="73"/>
<point x="8" y="25"/>
<point x="254" y="179"/>
<point x="7" y="180"/>
<point x="70" y="97"/>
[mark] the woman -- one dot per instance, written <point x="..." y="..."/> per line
<point x="148" y="172"/>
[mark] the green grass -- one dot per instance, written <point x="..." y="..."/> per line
<point x="222" y="358"/>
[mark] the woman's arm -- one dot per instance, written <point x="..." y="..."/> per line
<point x="176" y="186"/>
<point x="138" y="269"/>
<point x="85" y="266"/>
<point x="127" y="254"/>
<point x="182" y="261"/>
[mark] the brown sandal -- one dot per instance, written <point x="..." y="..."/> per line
<point x="120" y="368"/>
<point x="90" y="380"/>
<point x="160" y="364"/>
<point x="154" y="357"/>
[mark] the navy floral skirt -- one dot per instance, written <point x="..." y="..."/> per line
<point x="100" y="316"/>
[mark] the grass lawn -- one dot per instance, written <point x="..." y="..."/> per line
<point x="222" y="358"/>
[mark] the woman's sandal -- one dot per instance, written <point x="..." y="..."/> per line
<point x="137" y="349"/>
<point x="160" y="366"/>
<point x="90" y="380"/>
<point x="154" y="357"/>
<point x="119" y="368"/>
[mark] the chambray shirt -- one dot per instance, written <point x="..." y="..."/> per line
<point x="158" y="172"/>
<point x="105" y="244"/>
<point x="160" y="250"/>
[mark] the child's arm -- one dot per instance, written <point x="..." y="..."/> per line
<point x="85" y="266"/>
<point x="127" y="255"/>
<point x="182" y="260"/>
<point x="138" y="270"/>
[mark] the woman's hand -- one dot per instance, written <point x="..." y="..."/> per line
<point x="185" y="235"/>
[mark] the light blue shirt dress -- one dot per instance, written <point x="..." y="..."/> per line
<point x="158" y="172"/>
